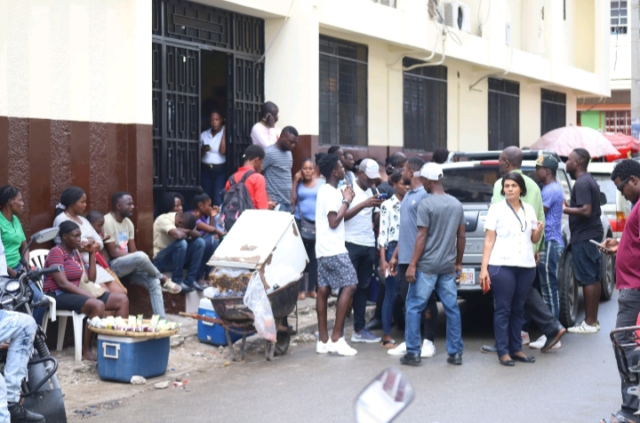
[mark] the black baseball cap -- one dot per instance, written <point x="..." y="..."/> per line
<point x="547" y="160"/>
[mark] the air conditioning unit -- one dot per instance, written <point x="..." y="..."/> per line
<point x="457" y="15"/>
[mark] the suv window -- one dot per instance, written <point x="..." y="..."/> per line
<point x="607" y="187"/>
<point x="471" y="184"/>
<point x="561" y="177"/>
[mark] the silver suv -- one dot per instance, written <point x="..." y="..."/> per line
<point x="471" y="182"/>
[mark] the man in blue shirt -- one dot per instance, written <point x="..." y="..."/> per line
<point x="552" y="200"/>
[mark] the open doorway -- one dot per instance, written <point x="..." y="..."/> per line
<point x="213" y="84"/>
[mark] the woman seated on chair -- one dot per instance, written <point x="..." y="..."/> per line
<point x="64" y="286"/>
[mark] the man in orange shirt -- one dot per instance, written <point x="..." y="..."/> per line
<point x="255" y="183"/>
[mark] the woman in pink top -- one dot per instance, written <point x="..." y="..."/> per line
<point x="265" y="132"/>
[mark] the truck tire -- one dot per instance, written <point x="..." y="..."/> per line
<point x="608" y="279"/>
<point x="568" y="292"/>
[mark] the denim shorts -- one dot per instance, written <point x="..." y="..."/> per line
<point x="586" y="262"/>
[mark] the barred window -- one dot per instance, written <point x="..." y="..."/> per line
<point x="619" y="16"/>
<point x="343" y="92"/>
<point x="504" y="114"/>
<point x="618" y="121"/>
<point x="553" y="111"/>
<point x="425" y="107"/>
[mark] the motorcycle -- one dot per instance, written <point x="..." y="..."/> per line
<point x="40" y="389"/>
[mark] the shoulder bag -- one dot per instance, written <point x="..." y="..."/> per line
<point x="92" y="288"/>
<point x="307" y="227"/>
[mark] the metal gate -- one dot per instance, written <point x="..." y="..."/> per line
<point x="181" y="30"/>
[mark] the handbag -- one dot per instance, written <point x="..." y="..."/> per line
<point x="307" y="227"/>
<point x="96" y="291"/>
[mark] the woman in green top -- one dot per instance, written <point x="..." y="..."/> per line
<point x="10" y="228"/>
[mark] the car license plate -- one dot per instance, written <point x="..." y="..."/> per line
<point x="468" y="276"/>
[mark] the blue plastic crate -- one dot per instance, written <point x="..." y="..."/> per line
<point x="211" y="333"/>
<point x="121" y="357"/>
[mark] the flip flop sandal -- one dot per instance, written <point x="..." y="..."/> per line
<point x="617" y="418"/>
<point x="171" y="287"/>
<point x="389" y="344"/>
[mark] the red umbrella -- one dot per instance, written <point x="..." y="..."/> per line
<point x="623" y="141"/>
<point x="564" y="140"/>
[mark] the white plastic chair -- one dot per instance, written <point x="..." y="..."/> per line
<point x="38" y="258"/>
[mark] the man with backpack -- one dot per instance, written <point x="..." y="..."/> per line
<point x="246" y="189"/>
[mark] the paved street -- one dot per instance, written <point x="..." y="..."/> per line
<point x="577" y="383"/>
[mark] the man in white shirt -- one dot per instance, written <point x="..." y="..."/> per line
<point x="335" y="271"/>
<point x="360" y="241"/>
<point x="265" y="132"/>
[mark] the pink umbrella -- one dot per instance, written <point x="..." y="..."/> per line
<point x="564" y="140"/>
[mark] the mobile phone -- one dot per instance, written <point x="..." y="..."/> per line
<point x="383" y="196"/>
<point x="600" y="246"/>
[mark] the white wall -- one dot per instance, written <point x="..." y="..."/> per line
<point x="82" y="60"/>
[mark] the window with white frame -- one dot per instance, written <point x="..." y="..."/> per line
<point x="618" y="121"/>
<point x="619" y="16"/>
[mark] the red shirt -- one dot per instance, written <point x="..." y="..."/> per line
<point x="70" y="262"/>
<point x="627" y="269"/>
<point x="256" y="186"/>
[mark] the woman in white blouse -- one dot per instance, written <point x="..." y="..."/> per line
<point x="509" y="265"/>
<point x="214" y="148"/>
<point x="388" y="242"/>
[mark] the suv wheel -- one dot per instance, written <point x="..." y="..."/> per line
<point x="608" y="279"/>
<point x="568" y="292"/>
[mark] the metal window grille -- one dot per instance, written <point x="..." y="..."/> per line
<point x="425" y="107"/>
<point x="619" y="11"/>
<point x="504" y="113"/>
<point x="553" y="111"/>
<point x="343" y="92"/>
<point x="618" y="121"/>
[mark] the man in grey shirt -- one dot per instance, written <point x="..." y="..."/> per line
<point x="437" y="256"/>
<point x="276" y="168"/>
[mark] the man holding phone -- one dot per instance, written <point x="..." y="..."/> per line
<point x="626" y="176"/>
<point x="360" y="241"/>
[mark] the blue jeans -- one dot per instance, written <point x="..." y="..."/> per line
<point x="210" y="245"/>
<point x="180" y="255"/>
<point x="510" y="286"/>
<point x="18" y="329"/>
<point x="213" y="181"/>
<point x="417" y="297"/>
<point x="548" y="275"/>
<point x="390" y="294"/>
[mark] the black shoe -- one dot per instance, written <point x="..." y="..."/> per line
<point x="410" y="359"/>
<point x="195" y="285"/>
<point x="20" y="415"/>
<point x="552" y="340"/>
<point x="489" y="349"/>
<point x="508" y="363"/>
<point x="373" y="324"/>
<point x="455" y="359"/>
<point x="185" y="288"/>
<point x="525" y="359"/>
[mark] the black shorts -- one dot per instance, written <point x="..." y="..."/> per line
<point x="586" y="262"/>
<point x="74" y="302"/>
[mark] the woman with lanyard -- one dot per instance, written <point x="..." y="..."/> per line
<point x="388" y="241"/>
<point x="214" y="148"/>
<point x="509" y="266"/>
<point x="72" y="205"/>
<point x="303" y="197"/>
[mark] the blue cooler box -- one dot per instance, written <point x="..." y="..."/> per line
<point x="120" y="357"/>
<point x="211" y="333"/>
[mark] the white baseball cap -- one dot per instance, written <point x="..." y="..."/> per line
<point x="431" y="171"/>
<point x="370" y="168"/>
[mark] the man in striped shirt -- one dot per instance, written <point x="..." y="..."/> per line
<point x="276" y="168"/>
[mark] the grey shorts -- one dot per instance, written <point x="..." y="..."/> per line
<point x="336" y="272"/>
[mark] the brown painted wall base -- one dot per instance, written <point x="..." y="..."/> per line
<point x="42" y="157"/>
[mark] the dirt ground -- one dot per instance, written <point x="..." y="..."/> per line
<point x="86" y="395"/>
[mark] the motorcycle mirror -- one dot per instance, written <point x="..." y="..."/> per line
<point x="45" y="235"/>
<point x="384" y="398"/>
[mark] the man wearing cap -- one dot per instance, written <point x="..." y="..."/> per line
<point x="437" y="256"/>
<point x="360" y="241"/>
<point x="552" y="200"/>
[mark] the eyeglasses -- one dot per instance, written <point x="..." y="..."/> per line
<point x="622" y="184"/>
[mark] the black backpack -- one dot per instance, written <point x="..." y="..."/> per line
<point x="236" y="200"/>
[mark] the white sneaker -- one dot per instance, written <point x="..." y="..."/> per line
<point x="428" y="349"/>
<point x="525" y="338"/>
<point x="399" y="350"/>
<point x="584" y="328"/>
<point x="321" y="347"/>
<point x="341" y="347"/>
<point x="540" y="343"/>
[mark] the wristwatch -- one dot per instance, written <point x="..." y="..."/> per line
<point x="348" y="203"/>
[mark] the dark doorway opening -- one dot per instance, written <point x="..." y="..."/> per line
<point x="213" y="90"/>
